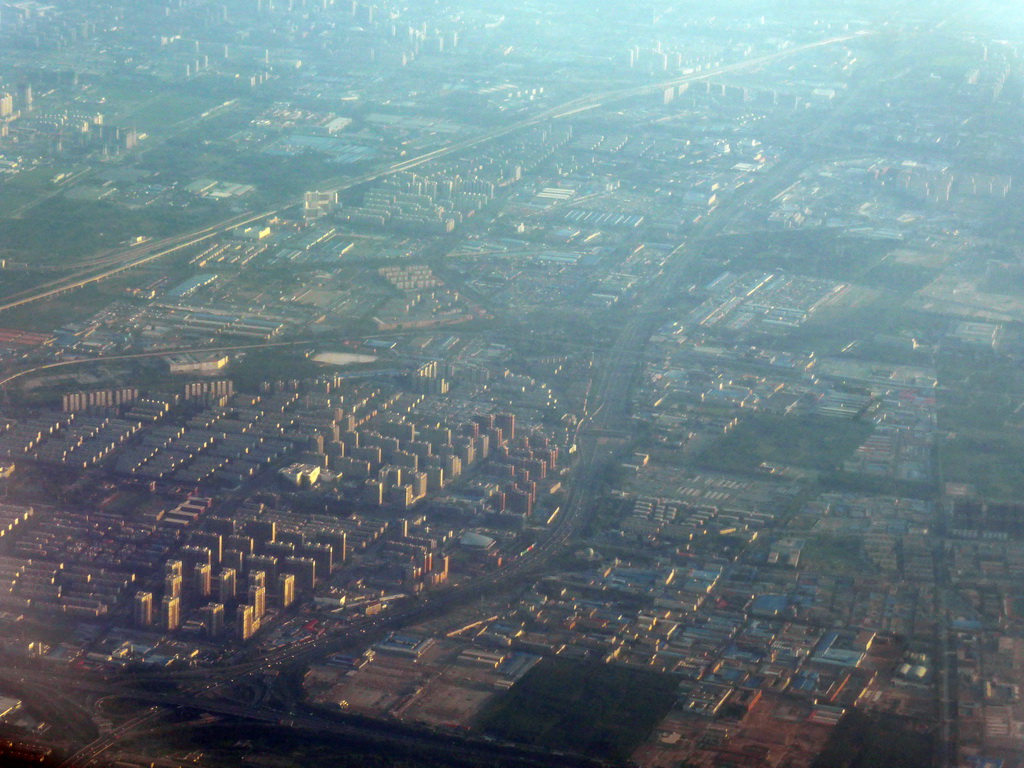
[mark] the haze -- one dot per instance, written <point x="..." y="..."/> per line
<point x="517" y="384"/>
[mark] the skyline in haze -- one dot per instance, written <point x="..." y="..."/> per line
<point x="519" y="384"/>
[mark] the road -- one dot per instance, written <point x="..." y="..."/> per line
<point x="143" y="355"/>
<point x="609" y="413"/>
<point x="109" y="265"/>
<point x="124" y="260"/>
<point x="605" y="425"/>
<point x="426" y="742"/>
<point x="607" y="416"/>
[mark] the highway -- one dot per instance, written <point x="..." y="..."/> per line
<point x="128" y="259"/>
<point x="108" y="265"/>
<point x="608" y="414"/>
<point x="425" y="741"/>
<point x="143" y="355"/>
<point x="103" y="360"/>
<point x="605" y="425"/>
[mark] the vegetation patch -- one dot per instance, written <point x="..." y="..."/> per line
<point x="573" y="706"/>
<point x="894" y="276"/>
<point x="980" y="410"/>
<point x="990" y="463"/>
<point x="88" y="227"/>
<point x="876" y="741"/>
<point x="850" y="482"/>
<point x="272" y="364"/>
<point x="802" y="441"/>
<point x="74" y="306"/>
<point x="835" y="555"/>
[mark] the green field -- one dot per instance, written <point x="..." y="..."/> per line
<point x="834" y="555"/>
<point x="894" y="276"/>
<point x="979" y="409"/>
<point x="822" y="252"/>
<point x="58" y="231"/>
<point x="159" y="112"/>
<point x="29" y="186"/>
<point x="573" y="706"/>
<point x="876" y="741"/>
<point x="188" y="155"/>
<point x="802" y="441"/>
<point x="991" y="463"/>
<point x="271" y="364"/>
<point x="48" y="315"/>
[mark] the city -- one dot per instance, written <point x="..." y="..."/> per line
<point x="548" y="384"/>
